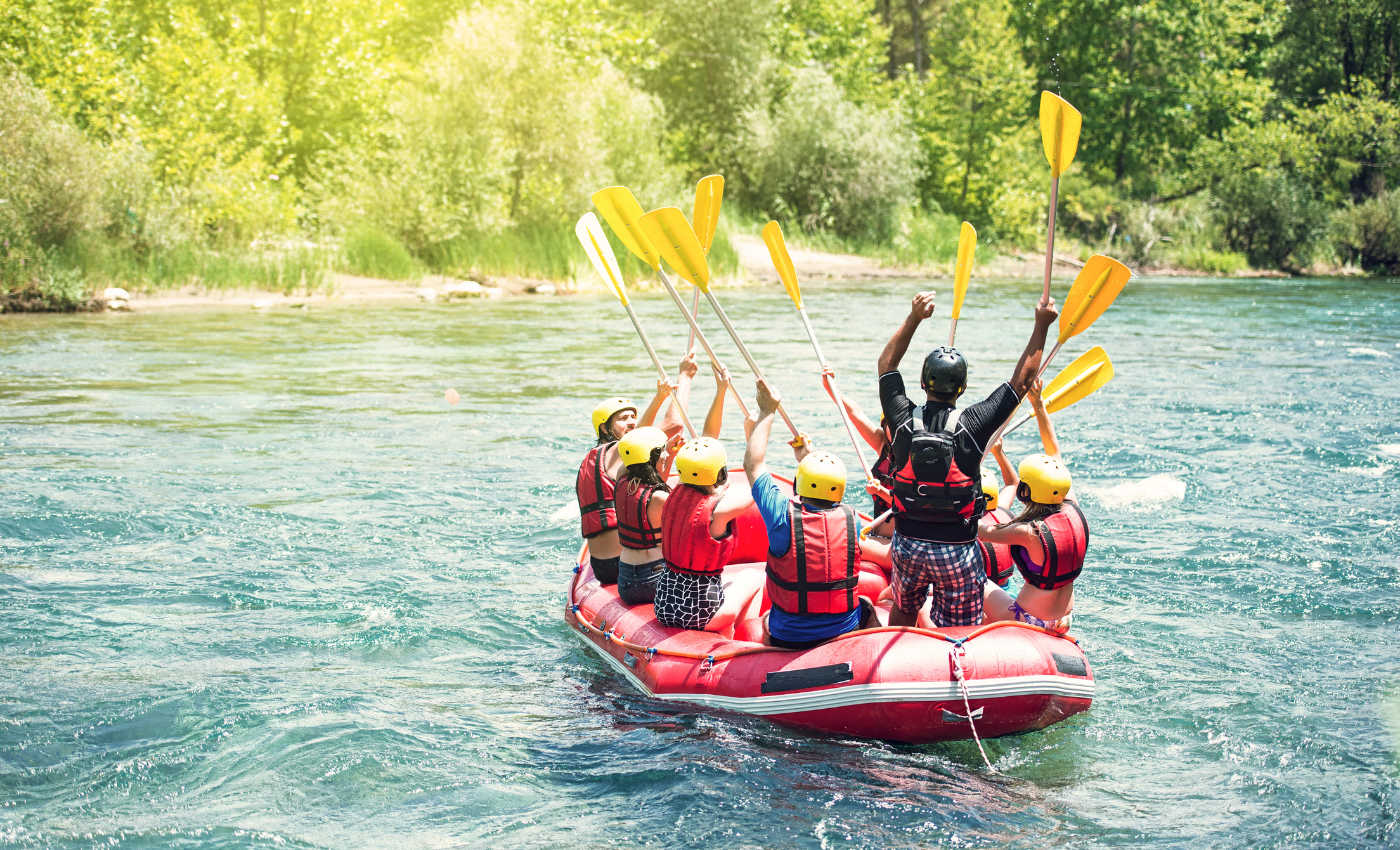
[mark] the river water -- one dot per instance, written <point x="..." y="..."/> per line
<point x="260" y="585"/>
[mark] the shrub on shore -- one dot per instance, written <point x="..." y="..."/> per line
<point x="821" y="162"/>
<point x="1369" y="233"/>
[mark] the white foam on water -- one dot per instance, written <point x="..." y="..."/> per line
<point x="566" y="513"/>
<point x="376" y="616"/>
<point x="1370" y="352"/>
<point x="1367" y="471"/>
<point x="1143" y="493"/>
<point x="1389" y="449"/>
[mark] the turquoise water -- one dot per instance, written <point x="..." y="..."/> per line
<point x="260" y="585"/>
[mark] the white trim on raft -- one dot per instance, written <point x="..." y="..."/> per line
<point x="840" y="697"/>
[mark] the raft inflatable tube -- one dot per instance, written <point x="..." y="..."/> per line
<point x="895" y="684"/>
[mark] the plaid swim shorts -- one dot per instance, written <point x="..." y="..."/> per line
<point x="955" y="570"/>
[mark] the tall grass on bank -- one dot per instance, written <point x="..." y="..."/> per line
<point x="551" y="253"/>
<point x="289" y="267"/>
<point x="919" y="239"/>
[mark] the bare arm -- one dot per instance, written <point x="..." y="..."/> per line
<point x="714" y="420"/>
<point x="758" y="440"/>
<point x="899" y="343"/>
<point x="735" y="501"/>
<point x="1042" y="419"/>
<point x="656" y="507"/>
<point x="672" y="423"/>
<point x="1009" y="477"/>
<point x="1017" y="534"/>
<point x="868" y="430"/>
<point x="1028" y="367"/>
<point x="663" y="392"/>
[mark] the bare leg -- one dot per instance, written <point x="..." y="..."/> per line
<point x="876" y="550"/>
<point x="996" y="604"/>
<point x="899" y="618"/>
<point x="739" y="591"/>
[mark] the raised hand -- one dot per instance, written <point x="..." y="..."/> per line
<point x="768" y="398"/>
<point x="1033" y="394"/>
<point x="689" y="368"/>
<point x="923" y="305"/>
<point x="721" y="375"/>
<point x="1046" y="313"/>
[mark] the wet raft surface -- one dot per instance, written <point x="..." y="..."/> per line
<point x="259" y="583"/>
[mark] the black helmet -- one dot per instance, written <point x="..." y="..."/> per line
<point x="945" y="372"/>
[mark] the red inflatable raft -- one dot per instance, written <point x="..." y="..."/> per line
<point x="898" y="684"/>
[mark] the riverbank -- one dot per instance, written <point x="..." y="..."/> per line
<point x="756" y="268"/>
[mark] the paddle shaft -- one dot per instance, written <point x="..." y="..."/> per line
<point x="694" y="314"/>
<point x="1003" y="431"/>
<point x="743" y="349"/>
<point x="864" y="532"/>
<point x="700" y="335"/>
<point x="660" y="370"/>
<point x="1050" y="238"/>
<point x="840" y="405"/>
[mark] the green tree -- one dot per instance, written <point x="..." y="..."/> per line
<point x="707" y="73"/>
<point x="1153" y="80"/>
<point x="969" y="107"/>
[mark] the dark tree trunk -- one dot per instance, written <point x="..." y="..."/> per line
<point x="917" y="23"/>
<point x="892" y="68"/>
<point x="1121" y="166"/>
<point x="1367" y="183"/>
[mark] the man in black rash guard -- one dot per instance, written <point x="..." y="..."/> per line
<point x="937" y="452"/>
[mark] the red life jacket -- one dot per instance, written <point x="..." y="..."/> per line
<point x="634" y="529"/>
<point x="997" y="556"/>
<point x="686" y="543"/>
<point x="1065" y="535"/>
<point x="931" y="490"/>
<point x="594" y="487"/>
<point x="819" y="572"/>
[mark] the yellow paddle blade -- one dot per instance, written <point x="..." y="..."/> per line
<point x="708" y="194"/>
<point x="600" y="254"/>
<point x="777" y="249"/>
<point x="623" y="214"/>
<point x="1059" y="130"/>
<point x="668" y="230"/>
<point x="1098" y="283"/>
<point x="962" y="273"/>
<point x="1089" y="371"/>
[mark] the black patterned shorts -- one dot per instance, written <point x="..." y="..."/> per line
<point x="686" y="600"/>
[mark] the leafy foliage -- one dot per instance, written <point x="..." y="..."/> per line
<point x="821" y="161"/>
<point x="1370" y="232"/>
<point x="1273" y="218"/>
<point x="166" y="141"/>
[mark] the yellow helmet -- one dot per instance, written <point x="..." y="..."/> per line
<point x="821" y="475"/>
<point x="700" y="461"/>
<point x="608" y="409"/>
<point x="1046" y="478"/>
<point x="639" y="443"/>
<point x="989" y="487"/>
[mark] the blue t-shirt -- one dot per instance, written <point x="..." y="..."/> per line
<point x="773" y="504"/>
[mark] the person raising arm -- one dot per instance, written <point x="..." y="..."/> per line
<point x="1048" y="541"/>
<point x="937" y="452"/>
<point x="812" y="581"/>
